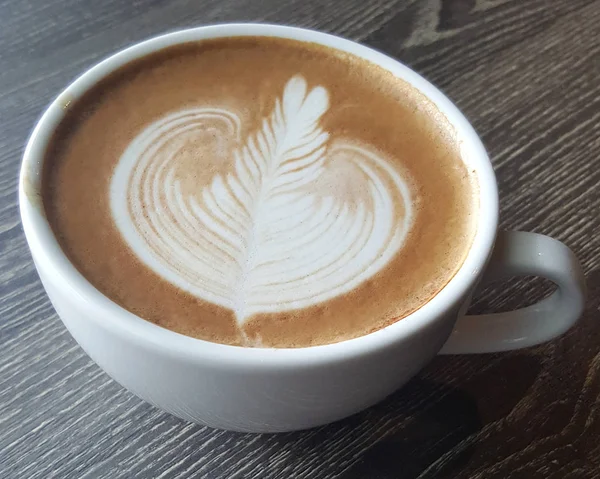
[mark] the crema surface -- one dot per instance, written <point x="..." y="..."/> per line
<point x="260" y="192"/>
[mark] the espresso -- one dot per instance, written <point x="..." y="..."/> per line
<point x="260" y="192"/>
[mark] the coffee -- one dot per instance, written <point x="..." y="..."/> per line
<point x="260" y="192"/>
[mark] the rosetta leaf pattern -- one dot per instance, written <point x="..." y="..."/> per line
<point x="261" y="237"/>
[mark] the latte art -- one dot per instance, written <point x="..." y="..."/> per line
<point x="211" y="190"/>
<point x="290" y="217"/>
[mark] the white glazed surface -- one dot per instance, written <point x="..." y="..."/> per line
<point x="251" y="389"/>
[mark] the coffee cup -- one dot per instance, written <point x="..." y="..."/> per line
<point x="258" y="389"/>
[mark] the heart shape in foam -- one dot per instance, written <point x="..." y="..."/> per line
<point x="283" y="219"/>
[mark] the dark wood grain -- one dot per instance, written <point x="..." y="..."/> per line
<point x="527" y="73"/>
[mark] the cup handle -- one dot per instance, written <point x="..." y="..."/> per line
<point x="518" y="253"/>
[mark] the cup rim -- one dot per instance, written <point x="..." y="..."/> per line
<point x="47" y="252"/>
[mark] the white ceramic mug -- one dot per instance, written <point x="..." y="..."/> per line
<point x="269" y="390"/>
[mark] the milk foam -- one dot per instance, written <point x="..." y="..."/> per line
<point x="298" y="217"/>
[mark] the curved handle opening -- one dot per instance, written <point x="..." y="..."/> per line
<point x="518" y="253"/>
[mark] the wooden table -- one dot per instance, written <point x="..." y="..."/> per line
<point x="527" y="73"/>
